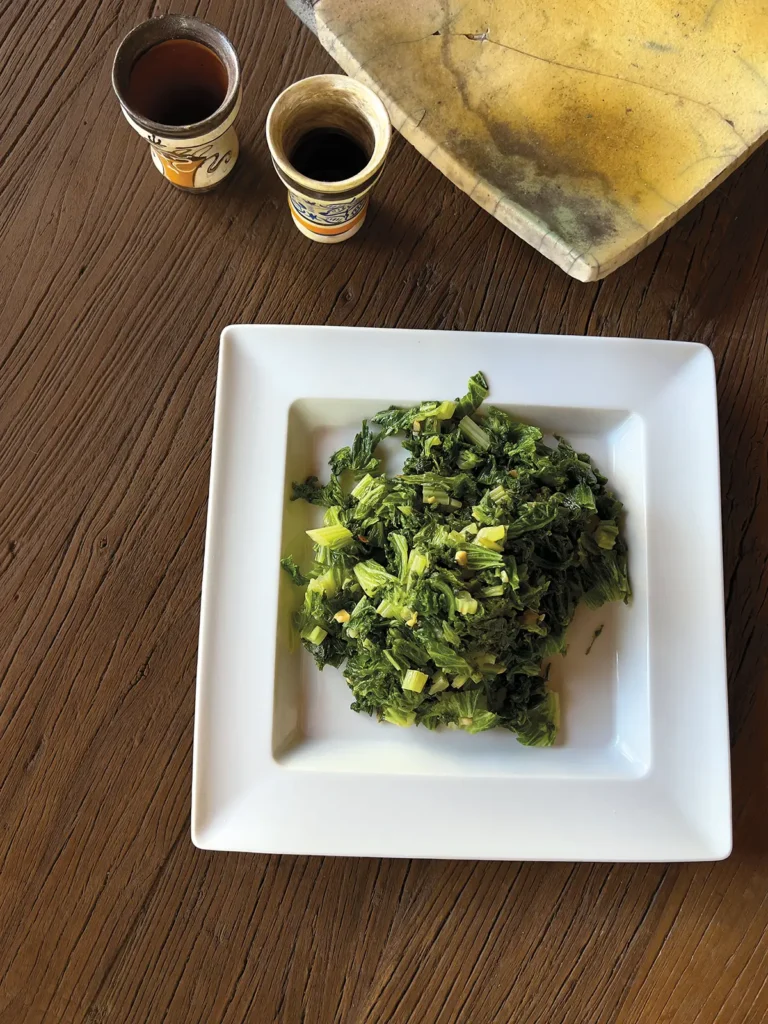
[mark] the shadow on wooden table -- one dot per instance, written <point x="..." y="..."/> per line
<point x="389" y="229"/>
<point x="743" y="414"/>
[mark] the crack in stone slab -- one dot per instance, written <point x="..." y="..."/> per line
<point x="616" y="78"/>
<point x="484" y="37"/>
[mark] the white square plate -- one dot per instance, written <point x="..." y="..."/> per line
<point x="640" y="771"/>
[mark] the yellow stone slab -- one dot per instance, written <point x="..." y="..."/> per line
<point x="588" y="128"/>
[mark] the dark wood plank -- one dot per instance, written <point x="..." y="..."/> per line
<point x="115" y="288"/>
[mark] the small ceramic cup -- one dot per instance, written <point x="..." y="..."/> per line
<point x="328" y="211"/>
<point x="181" y="69"/>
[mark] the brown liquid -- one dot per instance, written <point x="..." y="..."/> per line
<point x="177" y="82"/>
<point x="327" y="154"/>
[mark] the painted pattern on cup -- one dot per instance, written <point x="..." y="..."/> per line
<point x="327" y="197"/>
<point x="178" y="83"/>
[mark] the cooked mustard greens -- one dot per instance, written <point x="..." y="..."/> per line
<point x="443" y="590"/>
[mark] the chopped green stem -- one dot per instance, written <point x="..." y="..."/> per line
<point x="316" y="635"/>
<point x="333" y="537"/>
<point x="414" y="680"/>
<point x="475" y="433"/>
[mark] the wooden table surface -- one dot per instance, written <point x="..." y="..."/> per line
<point x="114" y="290"/>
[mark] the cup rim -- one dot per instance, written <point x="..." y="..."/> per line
<point x="313" y="186"/>
<point x="159" y="30"/>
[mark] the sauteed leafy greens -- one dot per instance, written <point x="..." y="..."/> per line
<point x="442" y="591"/>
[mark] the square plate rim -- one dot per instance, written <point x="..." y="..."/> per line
<point x="232" y="336"/>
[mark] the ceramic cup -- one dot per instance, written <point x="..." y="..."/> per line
<point x="193" y="156"/>
<point x="328" y="211"/>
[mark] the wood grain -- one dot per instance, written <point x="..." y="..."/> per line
<point x="114" y="290"/>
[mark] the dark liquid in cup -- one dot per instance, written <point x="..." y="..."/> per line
<point x="177" y="82"/>
<point x="328" y="154"/>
